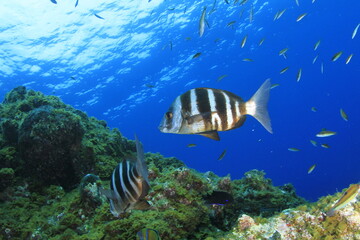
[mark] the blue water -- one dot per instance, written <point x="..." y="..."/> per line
<point x="102" y="67"/>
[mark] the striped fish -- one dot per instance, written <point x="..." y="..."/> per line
<point x="205" y="111"/>
<point x="147" y="234"/>
<point x="129" y="184"/>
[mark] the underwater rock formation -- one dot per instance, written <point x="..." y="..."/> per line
<point x="39" y="134"/>
<point x="304" y="222"/>
<point x="52" y="143"/>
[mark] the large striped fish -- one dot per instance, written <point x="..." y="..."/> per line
<point x="129" y="184"/>
<point x="206" y="111"/>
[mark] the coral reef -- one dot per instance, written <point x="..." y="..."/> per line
<point x="304" y="222"/>
<point x="54" y="158"/>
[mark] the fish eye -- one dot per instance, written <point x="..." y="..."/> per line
<point x="169" y="115"/>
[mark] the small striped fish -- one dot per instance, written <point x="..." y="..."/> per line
<point x="147" y="234"/>
<point x="205" y="111"/>
<point x="129" y="184"/>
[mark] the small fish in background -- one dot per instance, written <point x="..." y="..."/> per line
<point x="276" y="15"/>
<point x="243" y="2"/>
<point x="196" y="55"/>
<point x="274" y="85"/>
<point x="325" y="133"/>
<point x="348" y="196"/>
<point x="190" y="145"/>
<point x="317" y="45"/>
<point x="311" y="169"/>
<point x="282" y="52"/>
<point x="297" y="2"/>
<point x="72" y="77"/>
<point x="231" y="24"/>
<point x="298" y="76"/>
<point x="261" y="41"/>
<point x="222" y="155"/>
<point x="219" y="198"/>
<point x="202" y="22"/>
<point x="314" y="143"/>
<point x="241" y="13"/>
<point x="336" y="56"/>
<point x="299" y="18"/>
<point x="147" y="234"/>
<point x="98" y="16"/>
<point x="292" y="149"/>
<point x="213" y="9"/>
<point x="53" y="1"/>
<point x="76" y="3"/>
<point x="322" y="68"/>
<point x="315" y="58"/>
<point x="284" y="70"/>
<point x="324" y="145"/>
<point x="205" y="111"/>
<point x="129" y="184"/>
<point x="348" y="58"/>
<point x="355" y="31"/>
<point x="313" y="109"/>
<point x="281" y="13"/>
<point x="344" y="115"/>
<point x="247" y="60"/>
<point x="243" y="42"/>
<point x="251" y="17"/>
<point x="221" y="77"/>
<point x="150" y="85"/>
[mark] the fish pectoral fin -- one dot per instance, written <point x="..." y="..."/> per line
<point x="108" y="193"/>
<point x="141" y="205"/>
<point x="198" y="117"/>
<point x="212" y="135"/>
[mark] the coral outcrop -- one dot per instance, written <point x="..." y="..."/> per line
<point x="303" y="222"/>
<point x="50" y="142"/>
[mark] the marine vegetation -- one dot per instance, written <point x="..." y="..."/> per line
<point x="54" y="159"/>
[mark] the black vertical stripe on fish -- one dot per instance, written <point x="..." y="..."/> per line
<point x="203" y="104"/>
<point x="126" y="180"/>
<point x="116" y="183"/>
<point x="233" y="111"/>
<point x="221" y="108"/>
<point x="186" y="103"/>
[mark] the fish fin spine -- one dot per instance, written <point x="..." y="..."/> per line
<point x="257" y="105"/>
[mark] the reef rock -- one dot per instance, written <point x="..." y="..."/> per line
<point x="50" y="142"/>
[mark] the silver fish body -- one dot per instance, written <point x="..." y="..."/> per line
<point x="206" y="111"/>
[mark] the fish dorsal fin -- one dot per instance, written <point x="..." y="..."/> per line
<point x="140" y="160"/>
<point x="212" y="135"/>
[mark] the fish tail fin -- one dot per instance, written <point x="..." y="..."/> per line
<point x="257" y="105"/>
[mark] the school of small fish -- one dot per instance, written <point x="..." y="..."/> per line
<point x="186" y="117"/>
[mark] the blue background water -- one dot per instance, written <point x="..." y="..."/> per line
<point x="103" y="66"/>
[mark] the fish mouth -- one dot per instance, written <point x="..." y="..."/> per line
<point x="162" y="127"/>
